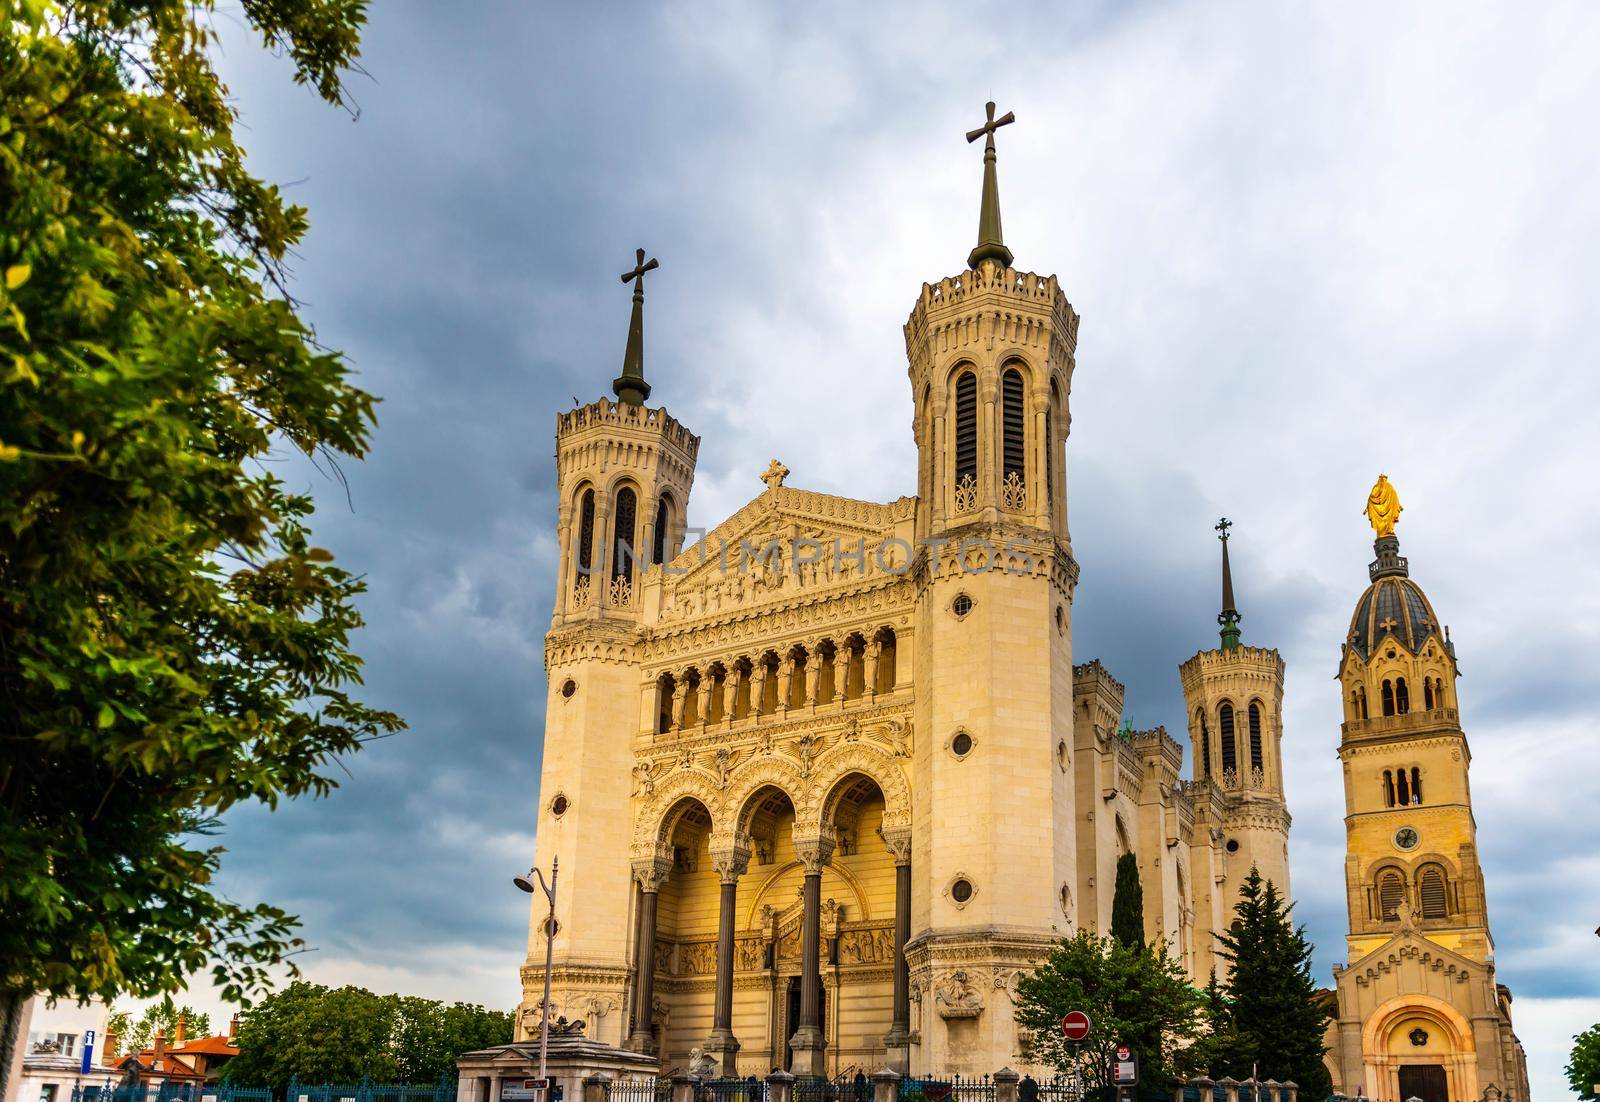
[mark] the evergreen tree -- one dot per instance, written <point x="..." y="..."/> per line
<point x="1127" y="904"/>
<point x="1277" y="1017"/>
<point x="1213" y="1051"/>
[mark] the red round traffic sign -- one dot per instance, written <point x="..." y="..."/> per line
<point x="1122" y="1052"/>
<point x="1075" y="1026"/>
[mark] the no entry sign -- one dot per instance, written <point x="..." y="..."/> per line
<point x="1075" y="1025"/>
<point x="1122" y="1052"/>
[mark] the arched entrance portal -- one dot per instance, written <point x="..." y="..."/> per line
<point x="1417" y="1046"/>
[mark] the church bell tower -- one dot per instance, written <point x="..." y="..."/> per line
<point x="990" y="354"/>
<point x="624" y="473"/>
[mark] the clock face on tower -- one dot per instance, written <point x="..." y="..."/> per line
<point x="1407" y="838"/>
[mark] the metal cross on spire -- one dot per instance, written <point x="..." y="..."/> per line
<point x="991" y="244"/>
<point x="1229" y="617"/>
<point x="630" y="387"/>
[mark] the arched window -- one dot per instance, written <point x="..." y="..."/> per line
<point x="1388" y="788"/>
<point x="1427" y="693"/>
<point x="1205" y="745"/>
<point x="1402" y="698"/>
<point x="966" y="428"/>
<point x="586" y="532"/>
<point x="691" y="698"/>
<point x="1431" y="894"/>
<point x="1362" y="690"/>
<point x="658" y="550"/>
<point x="827" y="674"/>
<point x="624" y="545"/>
<point x="1404" y="788"/>
<point x="769" y="687"/>
<point x="1388" y="697"/>
<point x="741" y="695"/>
<point x="1230" y="760"/>
<point x="797" y="677"/>
<point x="1391" y="891"/>
<point x="853" y="668"/>
<point x="1416" y="785"/>
<point x="666" y="685"/>
<point x="884" y="677"/>
<point x="1255" y="736"/>
<point x="719" y="681"/>
<point x="1014" y="429"/>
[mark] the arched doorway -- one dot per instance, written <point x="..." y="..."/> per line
<point x="1418" y="1046"/>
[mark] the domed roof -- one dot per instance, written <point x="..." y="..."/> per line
<point x="1393" y="605"/>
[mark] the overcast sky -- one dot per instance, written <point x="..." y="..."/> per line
<point x="1308" y="244"/>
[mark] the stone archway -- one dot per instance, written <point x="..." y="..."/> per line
<point x="1410" y="1036"/>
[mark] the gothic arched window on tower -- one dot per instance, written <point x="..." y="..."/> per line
<point x="624" y="545"/>
<point x="1230" y="757"/>
<point x="581" y="582"/>
<point x="1427" y="693"/>
<point x="1431" y="893"/>
<point x="1404" y="788"/>
<point x="1416" y="785"/>
<point x="1402" y="698"/>
<point x="1013" y="475"/>
<point x="1255" y="736"/>
<point x="1388" y="788"/>
<point x="966" y="484"/>
<point x="1388" y="697"/>
<point x="658" y="550"/>
<point x="1391" y="892"/>
<point x="1205" y="745"/>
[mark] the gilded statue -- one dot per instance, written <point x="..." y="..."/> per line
<point x="1383" y="507"/>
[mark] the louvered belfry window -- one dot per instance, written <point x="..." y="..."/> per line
<point x="1430" y="890"/>
<point x="1391" y="890"/>
<point x="586" y="533"/>
<point x="1230" y="759"/>
<point x="1015" y="429"/>
<point x="624" y="546"/>
<point x="966" y="427"/>
<point x="1205" y="747"/>
<point x="1049" y="461"/>
<point x="1255" y="737"/>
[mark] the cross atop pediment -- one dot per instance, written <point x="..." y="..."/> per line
<point x="774" y="475"/>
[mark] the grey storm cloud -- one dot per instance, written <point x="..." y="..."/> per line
<point x="1307" y="244"/>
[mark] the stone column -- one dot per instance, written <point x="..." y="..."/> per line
<point x="631" y="1021"/>
<point x="680" y="694"/>
<point x="780" y="1087"/>
<point x="898" y="1039"/>
<point x="758" y="686"/>
<point x="651" y="874"/>
<point x="722" y="1045"/>
<point x="730" y="690"/>
<point x="813" y="672"/>
<point x="1005" y="1085"/>
<point x="785" y="672"/>
<point x="885" y="1086"/>
<point x="707" y="687"/>
<point x="683" y="1088"/>
<point x="808" y="1042"/>
<point x="869" y="665"/>
<point x="594" y="1087"/>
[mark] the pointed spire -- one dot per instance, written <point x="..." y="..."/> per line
<point x="630" y="387"/>
<point x="991" y="244"/>
<point x="1229" y="617"/>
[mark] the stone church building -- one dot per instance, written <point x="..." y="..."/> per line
<point x="825" y="783"/>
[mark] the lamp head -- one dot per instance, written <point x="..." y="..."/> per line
<point x="525" y="881"/>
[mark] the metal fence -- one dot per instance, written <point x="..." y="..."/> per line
<point x="730" y="1090"/>
<point x="112" y="1091"/>
<point x="639" y="1090"/>
<point x="367" y="1091"/>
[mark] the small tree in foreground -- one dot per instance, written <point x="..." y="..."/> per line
<point x="1583" y="1069"/>
<point x="1137" y="995"/>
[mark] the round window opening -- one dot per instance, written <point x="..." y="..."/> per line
<point x="961" y="891"/>
<point x="558" y="806"/>
<point x="1419" y="1037"/>
<point x="1233" y="845"/>
<point x="1061" y="754"/>
<point x="568" y="687"/>
<point x="961" y="605"/>
<point x="961" y="745"/>
<point x="1061" y="621"/>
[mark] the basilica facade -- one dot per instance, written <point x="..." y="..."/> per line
<point x="824" y="784"/>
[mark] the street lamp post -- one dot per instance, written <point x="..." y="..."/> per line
<point x="526" y="883"/>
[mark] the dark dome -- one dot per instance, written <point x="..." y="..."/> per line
<point x="1393" y="605"/>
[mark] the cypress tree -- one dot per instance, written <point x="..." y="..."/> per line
<point x="1127" y="904"/>
<point x="1277" y="1017"/>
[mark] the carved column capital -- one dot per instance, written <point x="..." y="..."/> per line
<point x="731" y="863"/>
<point x="652" y="872"/>
<point x="898" y="842"/>
<point x="815" y="852"/>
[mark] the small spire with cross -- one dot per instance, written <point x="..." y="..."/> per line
<point x="1229" y="617"/>
<point x="991" y="244"/>
<point x="630" y="387"/>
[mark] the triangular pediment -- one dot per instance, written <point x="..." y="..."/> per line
<point x="783" y="540"/>
<point x="1409" y="948"/>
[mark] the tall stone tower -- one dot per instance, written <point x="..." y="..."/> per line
<point x="1234" y="696"/>
<point x="624" y="473"/>
<point x="990" y="363"/>
<point x="1420" y="1013"/>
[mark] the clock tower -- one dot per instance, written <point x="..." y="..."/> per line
<point x="1420" y="1012"/>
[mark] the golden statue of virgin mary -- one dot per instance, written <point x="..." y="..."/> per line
<point x="1383" y="507"/>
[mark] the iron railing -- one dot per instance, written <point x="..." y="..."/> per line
<point x="730" y="1090"/>
<point x="166" y="1091"/>
<point x="639" y="1090"/>
<point x="367" y="1091"/>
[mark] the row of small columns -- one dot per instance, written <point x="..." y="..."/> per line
<point x="734" y="676"/>
<point x="651" y="875"/>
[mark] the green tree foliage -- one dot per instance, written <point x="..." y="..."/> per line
<point x="1583" y="1069"/>
<point x="1132" y="994"/>
<point x="1278" y="1021"/>
<point x="171" y="641"/>
<point x="1127" y="903"/>
<point x="163" y="1016"/>
<point x="323" y="1034"/>
<point x="1213" y="1050"/>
